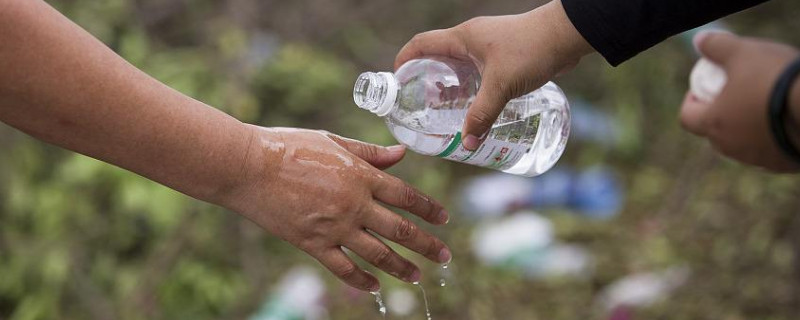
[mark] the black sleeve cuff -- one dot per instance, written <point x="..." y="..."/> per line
<point x="621" y="29"/>
<point x="590" y="26"/>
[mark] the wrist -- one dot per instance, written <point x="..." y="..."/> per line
<point x="568" y="43"/>
<point x="258" y="164"/>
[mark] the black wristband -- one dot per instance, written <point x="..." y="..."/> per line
<point x="778" y="107"/>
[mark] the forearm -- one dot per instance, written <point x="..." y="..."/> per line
<point x="565" y="38"/>
<point x="61" y="85"/>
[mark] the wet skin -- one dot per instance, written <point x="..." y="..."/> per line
<point x="323" y="193"/>
<point x="316" y="190"/>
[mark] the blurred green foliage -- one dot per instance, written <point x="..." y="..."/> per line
<point x="80" y="239"/>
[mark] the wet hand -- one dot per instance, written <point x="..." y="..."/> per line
<point x="515" y="54"/>
<point x="323" y="193"/>
<point x="736" y="122"/>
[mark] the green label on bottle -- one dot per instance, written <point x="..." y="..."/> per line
<point x="452" y="147"/>
<point x="493" y="153"/>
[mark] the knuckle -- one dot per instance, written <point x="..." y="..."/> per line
<point x="322" y="220"/>
<point x="308" y="244"/>
<point x="382" y="257"/>
<point x="327" y="227"/>
<point x="362" y="208"/>
<point x="368" y="152"/>
<point x="462" y="34"/>
<point x="480" y="115"/>
<point x="408" y="196"/>
<point x="497" y="89"/>
<point x="335" y="138"/>
<point x="405" y="230"/>
<point x="345" y="270"/>
<point x="429" y="210"/>
<point x="407" y="271"/>
<point x="419" y="38"/>
<point x="472" y="23"/>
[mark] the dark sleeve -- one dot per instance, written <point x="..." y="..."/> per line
<point x="620" y="29"/>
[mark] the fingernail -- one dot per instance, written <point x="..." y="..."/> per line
<point x="396" y="149"/>
<point x="375" y="287"/>
<point x="471" y="142"/>
<point x="445" y="256"/>
<point x="415" y="276"/>
<point x="699" y="38"/>
<point x="443" y="216"/>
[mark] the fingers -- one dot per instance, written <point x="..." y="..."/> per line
<point x="379" y="157"/>
<point x="693" y="115"/>
<point x="717" y="46"/>
<point x="404" y="232"/>
<point x="396" y="193"/>
<point x="489" y="103"/>
<point x="348" y="271"/>
<point x="382" y="256"/>
<point x="437" y="42"/>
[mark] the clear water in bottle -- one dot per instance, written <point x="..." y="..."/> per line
<point x="425" y="103"/>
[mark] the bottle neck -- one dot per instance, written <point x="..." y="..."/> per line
<point x="376" y="92"/>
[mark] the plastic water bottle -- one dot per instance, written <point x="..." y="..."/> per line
<point x="425" y="103"/>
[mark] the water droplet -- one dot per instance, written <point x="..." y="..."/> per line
<point x="424" y="298"/>
<point x="445" y="274"/>
<point x="379" y="301"/>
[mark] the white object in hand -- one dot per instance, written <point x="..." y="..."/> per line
<point x="707" y="80"/>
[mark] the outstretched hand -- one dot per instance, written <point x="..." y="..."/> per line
<point x="318" y="191"/>
<point x="322" y="193"/>
<point x="736" y="121"/>
<point x="515" y="54"/>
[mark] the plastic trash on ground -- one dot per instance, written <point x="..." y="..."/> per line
<point x="402" y="302"/>
<point x="492" y="195"/>
<point x="561" y="260"/>
<point x="512" y="238"/>
<point x="299" y="296"/>
<point x="643" y="289"/>
<point x="593" y="125"/>
<point x="524" y="242"/>
<point x="595" y="193"/>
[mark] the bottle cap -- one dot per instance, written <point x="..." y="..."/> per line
<point x="376" y="92"/>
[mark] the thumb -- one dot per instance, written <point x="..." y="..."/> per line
<point x="433" y="43"/>
<point x="717" y="46"/>
<point x="489" y="103"/>
<point x="378" y="156"/>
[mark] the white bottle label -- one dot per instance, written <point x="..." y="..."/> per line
<point x="493" y="153"/>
